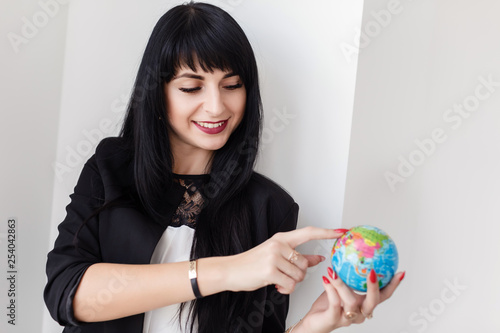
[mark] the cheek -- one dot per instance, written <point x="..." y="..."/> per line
<point x="239" y="106"/>
<point x="178" y="110"/>
<point x="172" y="114"/>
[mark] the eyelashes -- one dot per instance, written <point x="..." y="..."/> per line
<point x="235" y="86"/>
<point x="195" y="89"/>
<point x="189" y="90"/>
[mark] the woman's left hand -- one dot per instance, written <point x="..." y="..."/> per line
<point x="339" y="306"/>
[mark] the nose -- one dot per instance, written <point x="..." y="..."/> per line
<point x="214" y="104"/>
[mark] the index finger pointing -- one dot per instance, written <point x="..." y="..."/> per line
<point x="300" y="236"/>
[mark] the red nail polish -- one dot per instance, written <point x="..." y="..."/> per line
<point x="373" y="276"/>
<point x="335" y="276"/>
<point x="325" y="280"/>
<point x="341" y="231"/>
<point x="402" y="276"/>
<point x="330" y="272"/>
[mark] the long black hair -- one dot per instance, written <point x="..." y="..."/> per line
<point x="198" y="34"/>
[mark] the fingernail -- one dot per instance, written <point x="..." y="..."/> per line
<point x="341" y="231"/>
<point x="335" y="275"/>
<point x="373" y="276"/>
<point x="330" y="272"/>
<point x="325" y="280"/>
<point x="322" y="258"/>
<point x="402" y="276"/>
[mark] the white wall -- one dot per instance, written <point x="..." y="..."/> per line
<point x="444" y="214"/>
<point x="31" y="53"/>
<point x="305" y="81"/>
<point x="410" y="73"/>
<point x="305" y="73"/>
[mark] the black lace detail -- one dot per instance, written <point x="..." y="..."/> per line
<point x="190" y="207"/>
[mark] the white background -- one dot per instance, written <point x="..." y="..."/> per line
<point x="444" y="216"/>
<point x="30" y="93"/>
<point x="69" y="83"/>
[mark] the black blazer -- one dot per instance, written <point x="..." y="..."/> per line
<point x="125" y="234"/>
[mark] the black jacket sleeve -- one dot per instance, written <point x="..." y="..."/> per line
<point x="69" y="259"/>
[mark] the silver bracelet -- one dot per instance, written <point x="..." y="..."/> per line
<point x="193" y="277"/>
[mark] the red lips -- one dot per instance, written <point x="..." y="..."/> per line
<point x="214" y="130"/>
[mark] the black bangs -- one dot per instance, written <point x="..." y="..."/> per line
<point x="198" y="42"/>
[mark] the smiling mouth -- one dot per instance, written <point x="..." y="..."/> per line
<point x="210" y="125"/>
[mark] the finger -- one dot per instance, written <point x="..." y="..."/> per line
<point x="295" y="258"/>
<point x="300" y="236"/>
<point x="349" y="300"/>
<point x="285" y="284"/>
<point x="372" y="295"/>
<point x="279" y="250"/>
<point x="301" y="262"/>
<point x="293" y="270"/>
<point x="388" y="290"/>
<point x="313" y="260"/>
<point x="334" y="302"/>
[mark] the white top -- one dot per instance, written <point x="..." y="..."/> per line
<point x="174" y="246"/>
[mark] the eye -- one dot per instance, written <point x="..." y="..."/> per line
<point x="234" y="86"/>
<point x="190" y="90"/>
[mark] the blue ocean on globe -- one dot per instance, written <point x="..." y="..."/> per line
<point x="360" y="250"/>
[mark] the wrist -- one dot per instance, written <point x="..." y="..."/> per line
<point x="303" y="326"/>
<point x="193" y="277"/>
<point x="212" y="275"/>
<point x="293" y="328"/>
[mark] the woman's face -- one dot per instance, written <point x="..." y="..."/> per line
<point x="203" y="108"/>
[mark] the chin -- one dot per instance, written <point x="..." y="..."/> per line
<point x="212" y="147"/>
<point x="214" y="142"/>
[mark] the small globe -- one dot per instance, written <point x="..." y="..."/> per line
<point x="360" y="250"/>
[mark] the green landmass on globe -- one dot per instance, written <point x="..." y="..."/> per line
<point x="360" y="250"/>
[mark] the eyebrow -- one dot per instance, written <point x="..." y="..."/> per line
<point x="199" y="77"/>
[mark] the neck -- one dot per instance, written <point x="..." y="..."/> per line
<point x="191" y="161"/>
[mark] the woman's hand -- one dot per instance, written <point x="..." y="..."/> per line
<point x="339" y="306"/>
<point x="275" y="261"/>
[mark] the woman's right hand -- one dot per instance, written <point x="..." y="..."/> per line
<point x="273" y="262"/>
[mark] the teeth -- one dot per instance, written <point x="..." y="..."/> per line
<point x="210" y="125"/>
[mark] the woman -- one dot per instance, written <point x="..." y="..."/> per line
<point x="169" y="228"/>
